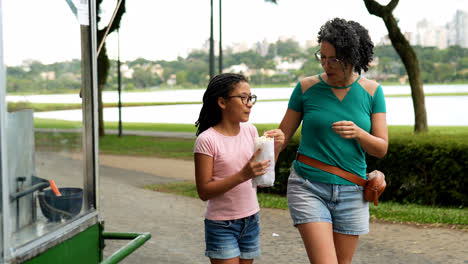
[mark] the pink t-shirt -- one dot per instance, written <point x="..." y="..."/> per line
<point x="230" y="154"/>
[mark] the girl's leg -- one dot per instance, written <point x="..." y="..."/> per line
<point x="345" y="246"/>
<point x="318" y="241"/>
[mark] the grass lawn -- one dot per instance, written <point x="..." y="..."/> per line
<point x="183" y="149"/>
<point x="386" y="211"/>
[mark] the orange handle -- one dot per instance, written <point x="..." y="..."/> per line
<point x="54" y="188"/>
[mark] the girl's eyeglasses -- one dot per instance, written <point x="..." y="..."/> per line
<point x="332" y="63"/>
<point x="246" y="98"/>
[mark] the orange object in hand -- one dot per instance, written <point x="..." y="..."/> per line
<point x="54" y="188"/>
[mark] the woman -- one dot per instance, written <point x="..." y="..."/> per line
<point x="343" y="117"/>
<point x="224" y="166"/>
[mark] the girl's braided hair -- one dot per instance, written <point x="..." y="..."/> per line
<point x="220" y="86"/>
<point x="351" y="41"/>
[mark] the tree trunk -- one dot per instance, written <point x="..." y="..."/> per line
<point x="100" y="111"/>
<point x="103" y="71"/>
<point x="407" y="55"/>
<point x="103" y="59"/>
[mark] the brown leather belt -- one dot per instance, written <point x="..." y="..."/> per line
<point x="331" y="169"/>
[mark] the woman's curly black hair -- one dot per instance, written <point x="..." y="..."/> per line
<point x="351" y="41"/>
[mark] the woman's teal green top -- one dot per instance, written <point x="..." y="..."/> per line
<point x="321" y="108"/>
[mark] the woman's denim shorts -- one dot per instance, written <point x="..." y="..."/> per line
<point x="228" y="239"/>
<point x="343" y="206"/>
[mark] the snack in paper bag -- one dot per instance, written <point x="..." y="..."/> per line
<point x="268" y="153"/>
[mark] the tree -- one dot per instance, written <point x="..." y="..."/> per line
<point x="407" y="55"/>
<point x="288" y="48"/>
<point x="103" y="59"/>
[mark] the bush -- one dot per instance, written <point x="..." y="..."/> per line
<point x="420" y="169"/>
<point x="422" y="172"/>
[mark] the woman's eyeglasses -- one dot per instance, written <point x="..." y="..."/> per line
<point x="246" y="98"/>
<point x="332" y="63"/>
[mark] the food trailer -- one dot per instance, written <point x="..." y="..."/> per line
<point x="50" y="209"/>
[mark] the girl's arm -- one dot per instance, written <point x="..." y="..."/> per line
<point x="208" y="188"/>
<point x="375" y="143"/>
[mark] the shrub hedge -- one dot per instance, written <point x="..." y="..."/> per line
<point x="430" y="169"/>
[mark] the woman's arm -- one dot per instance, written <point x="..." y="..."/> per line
<point x="289" y="125"/>
<point x="375" y="143"/>
<point x="208" y="188"/>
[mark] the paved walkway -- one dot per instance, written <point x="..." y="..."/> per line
<point x="176" y="223"/>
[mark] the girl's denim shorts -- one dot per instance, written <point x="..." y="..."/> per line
<point x="228" y="239"/>
<point x="343" y="206"/>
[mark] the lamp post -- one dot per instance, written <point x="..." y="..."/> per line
<point x="220" y="43"/>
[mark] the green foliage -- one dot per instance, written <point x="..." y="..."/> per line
<point x="425" y="170"/>
<point x="422" y="169"/>
<point x="437" y="66"/>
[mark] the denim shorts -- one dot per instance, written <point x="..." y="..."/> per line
<point x="343" y="206"/>
<point x="226" y="239"/>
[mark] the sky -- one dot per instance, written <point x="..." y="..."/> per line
<point x="163" y="30"/>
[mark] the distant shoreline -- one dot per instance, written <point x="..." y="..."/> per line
<point x="160" y="89"/>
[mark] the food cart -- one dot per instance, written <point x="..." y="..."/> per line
<point x="50" y="210"/>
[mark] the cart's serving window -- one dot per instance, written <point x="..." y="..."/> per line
<point x="44" y="185"/>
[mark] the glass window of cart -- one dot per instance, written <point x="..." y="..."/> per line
<point x="42" y="145"/>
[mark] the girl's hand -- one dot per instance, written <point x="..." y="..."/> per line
<point x="253" y="168"/>
<point x="278" y="135"/>
<point x="347" y="129"/>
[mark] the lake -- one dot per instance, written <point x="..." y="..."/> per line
<point x="195" y="95"/>
<point x="441" y="110"/>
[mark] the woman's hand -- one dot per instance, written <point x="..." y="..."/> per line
<point x="347" y="129"/>
<point x="278" y="136"/>
<point x="374" y="143"/>
<point x="253" y="168"/>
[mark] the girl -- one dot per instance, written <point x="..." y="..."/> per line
<point x="224" y="166"/>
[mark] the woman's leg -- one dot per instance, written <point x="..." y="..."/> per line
<point x="231" y="261"/>
<point x="246" y="261"/>
<point x="345" y="246"/>
<point x="318" y="241"/>
<point x="351" y="219"/>
<point x="225" y="261"/>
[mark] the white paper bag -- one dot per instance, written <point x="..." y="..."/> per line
<point x="267" y="153"/>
